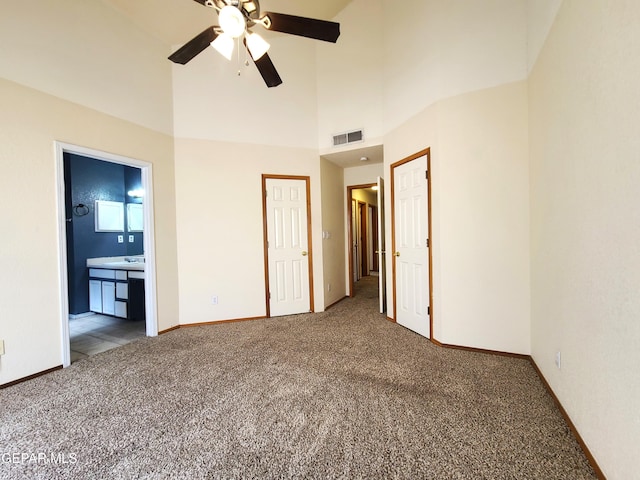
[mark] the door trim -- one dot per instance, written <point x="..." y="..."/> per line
<point x="150" y="296"/>
<point x="363" y="208"/>
<point x="350" y="190"/>
<point x="427" y="152"/>
<point x="307" y="181"/>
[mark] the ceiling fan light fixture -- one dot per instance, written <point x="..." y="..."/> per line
<point x="232" y="21"/>
<point x="249" y="6"/>
<point x="223" y="44"/>
<point x="257" y="45"/>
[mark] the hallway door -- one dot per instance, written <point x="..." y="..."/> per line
<point x="411" y="260"/>
<point x="288" y="246"/>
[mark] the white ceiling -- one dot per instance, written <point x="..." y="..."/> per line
<point x="175" y="22"/>
<point x="352" y="158"/>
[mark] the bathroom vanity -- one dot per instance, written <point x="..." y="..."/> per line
<point x="116" y="286"/>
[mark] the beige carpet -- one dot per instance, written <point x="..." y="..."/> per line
<point x="341" y="394"/>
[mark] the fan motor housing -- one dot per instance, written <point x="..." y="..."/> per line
<point x="249" y="8"/>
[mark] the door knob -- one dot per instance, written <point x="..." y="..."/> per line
<point x="304" y="254"/>
<point x="396" y="254"/>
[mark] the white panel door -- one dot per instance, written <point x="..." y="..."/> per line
<point x="288" y="246"/>
<point x="382" y="264"/>
<point x="411" y="254"/>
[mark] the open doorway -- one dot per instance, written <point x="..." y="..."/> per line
<point x="363" y="234"/>
<point x="107" y="260"/>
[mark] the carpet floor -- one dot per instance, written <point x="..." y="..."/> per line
<point x="339" y="394"/>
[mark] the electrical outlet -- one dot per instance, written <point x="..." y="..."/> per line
<point x="558" y="359"/>
<point x="214" y="300"/>
<point x="1" y="347"/>
<point x="120" y="238"/>
<point x="131" y="239"/>
<point x="328" y="287"/>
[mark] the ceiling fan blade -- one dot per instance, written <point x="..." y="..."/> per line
<point x="189" y="50"/>
<point x="303" y="26"/>
<point x="267" y="69"/>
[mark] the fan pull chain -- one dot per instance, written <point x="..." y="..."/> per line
<point x="238" y="54"/>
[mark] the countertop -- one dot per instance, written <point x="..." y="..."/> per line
<point x="135" y="262"/>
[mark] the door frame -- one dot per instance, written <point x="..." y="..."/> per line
<point x="350" y="199"/>
<point x="363" y="211"/>
<point x="307" y="181"/>
<point x="150" y="296"/>
<point x="373" y="214"/>
<point x="427" y="152"/>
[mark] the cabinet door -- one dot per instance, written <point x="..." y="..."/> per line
<point x="122" y="291"/>
<point x="95" y="296"/>
<point x="109" y="298"/>
<point x="121" y="309"/>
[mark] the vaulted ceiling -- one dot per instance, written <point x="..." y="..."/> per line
<point x="174" y="22"/>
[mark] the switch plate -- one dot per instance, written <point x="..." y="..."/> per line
<point x="120" y="238"/>
<point x="1" y="347"/>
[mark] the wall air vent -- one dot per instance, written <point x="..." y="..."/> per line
<point x="348" y="137"/>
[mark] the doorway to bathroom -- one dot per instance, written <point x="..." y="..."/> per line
<point x="106" y="251"/>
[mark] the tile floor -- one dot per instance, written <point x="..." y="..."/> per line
<point x="99" y="333"/>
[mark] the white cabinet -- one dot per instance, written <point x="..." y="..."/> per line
<point x="109" y="298"/>
<point x="120" y="309"/>
<point x="122" y="291"/>
<point x="106" y="294"/>
<point x="95" y="296"/>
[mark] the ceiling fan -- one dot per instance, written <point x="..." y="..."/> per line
<point x="237" y="18"/>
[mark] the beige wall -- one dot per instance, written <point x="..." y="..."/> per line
<point x="333" y="224"/>
<point x="350" y="75"/>
<point x="436" y="49"/>
<point x="87" y="53"/>
<point x="219" y="222"/>
<point x="480" y="220"/>
<point x="363" y="174"/>
<point x="585" y="224"/>
<point x="30" y="289"/>
<point x="534" y="184"/>
<point x="211" y="102"/>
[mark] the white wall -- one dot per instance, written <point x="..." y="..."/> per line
<point x="30" y="289"/>
<point x="454" y="76"/>
<point x="362" y="174"/>
<point x="350" y="78"/>
<point x="87" y="53"/>
<point x="540" y="17"/>
<point x="219" y="222"/>
<point x="483" y="207"/>
<point x="229" y="131"/>
<point x="334" y="223"/>
<point x="480" y="222"/>
<point x="585" y="224"/>
<point x="211" y="102"/>
<point x="76" y="72"/>
<point x="437" y="49"/>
